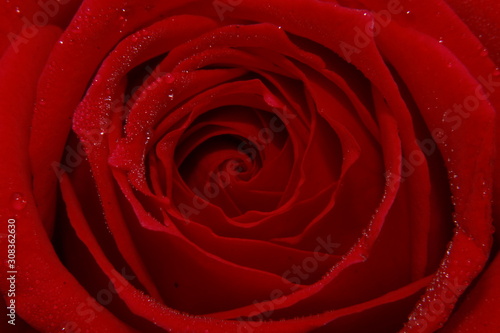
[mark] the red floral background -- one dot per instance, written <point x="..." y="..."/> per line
<point x="249" y="166"/>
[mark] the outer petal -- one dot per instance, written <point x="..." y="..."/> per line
<point x="37" y="264"/>
<point x="479" y="311"/>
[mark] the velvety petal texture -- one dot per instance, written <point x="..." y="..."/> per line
<point x="250" y="166"/>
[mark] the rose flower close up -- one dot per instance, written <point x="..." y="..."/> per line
<point x="249" y="166"/>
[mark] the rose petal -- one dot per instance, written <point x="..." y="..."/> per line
<point x="37" y="263"/>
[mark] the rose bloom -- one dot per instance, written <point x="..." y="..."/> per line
<point x="249" y="166"/>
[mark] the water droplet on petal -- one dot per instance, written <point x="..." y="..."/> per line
<point x="484" y="53"/>
<point x="149" y="134"/>
<point x="17" y="201"/>
<point x="169" y="78"/>
<point x="123" y="20"/>
<point x="496" y="72"/>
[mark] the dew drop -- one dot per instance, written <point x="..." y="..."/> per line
<point x="149" y="134"/>
<point x="17" y="201"/>
<point x="77" y="29"/>
<point x="440" y="41"/>
<point x="171" y="96"/>
<point x="123" y="20"/>
<point x="169" y="78"/>
<point x="484" y="53"/>
<point x="18" y="10"/>
<point x="496" y="72"/>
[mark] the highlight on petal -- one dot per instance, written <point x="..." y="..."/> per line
<point x="252" y="166"/>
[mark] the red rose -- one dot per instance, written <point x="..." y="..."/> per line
<point x="249" y="166"/>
